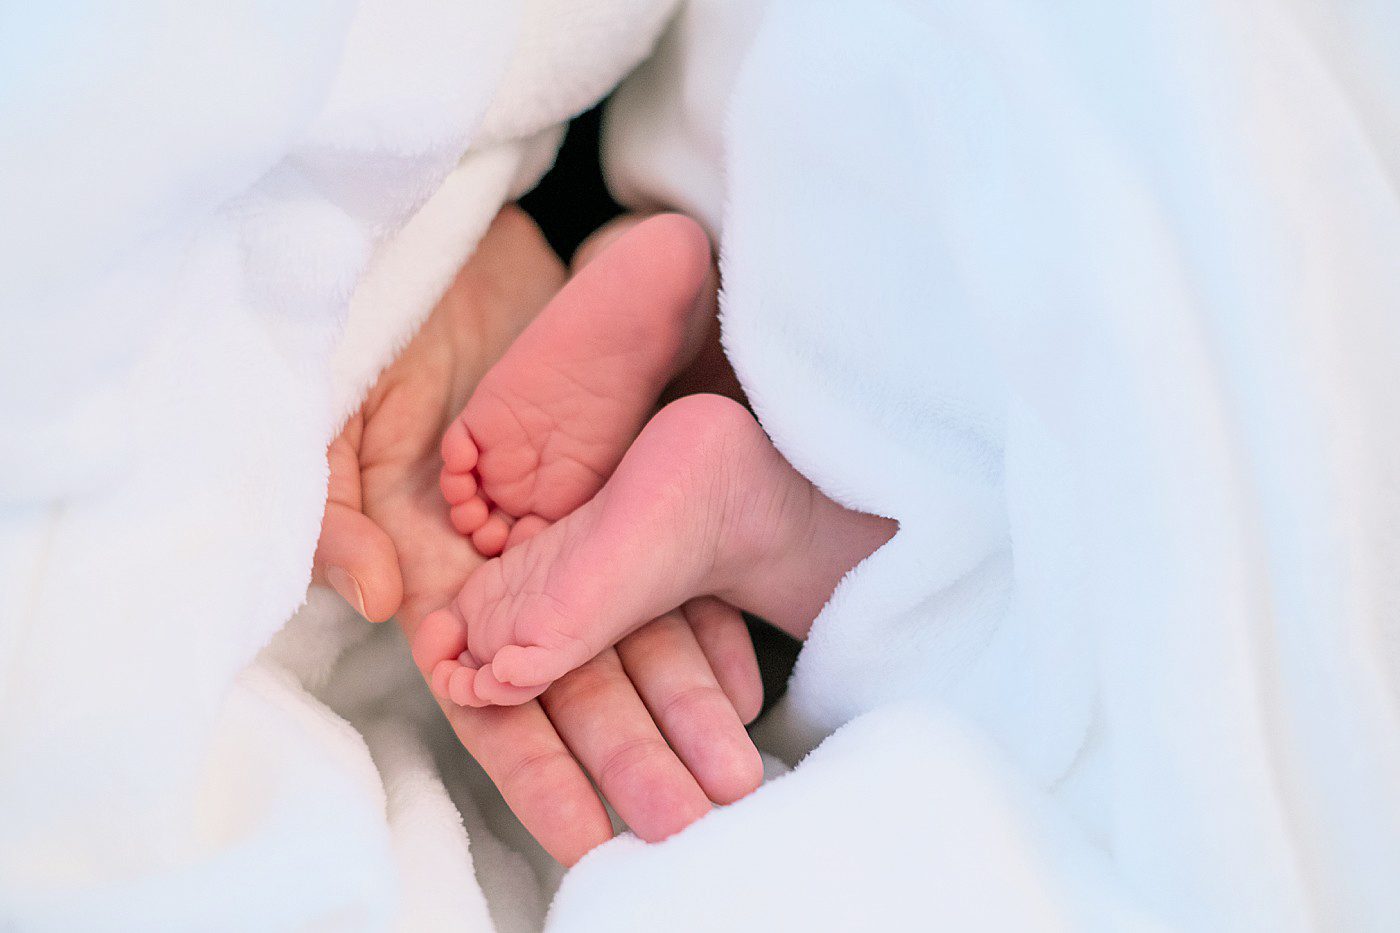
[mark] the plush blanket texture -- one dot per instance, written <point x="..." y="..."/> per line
<point x="221" y="220"/>
<point x="1104" y="306"/>
<point x="1101" y="302"/>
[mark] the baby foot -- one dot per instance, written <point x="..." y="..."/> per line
<point x="550" y="421"/>
<point x="702" y="504"/>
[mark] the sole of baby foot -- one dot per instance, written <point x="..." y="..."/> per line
<point x="701" y="505"/>
<point x="674" y="522"/>
<point x="552" y="418"/>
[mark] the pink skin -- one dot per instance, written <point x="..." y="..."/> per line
<point x="655" y="725"/>
<point x="701" y="504"/>
<point x="550" y="421"/>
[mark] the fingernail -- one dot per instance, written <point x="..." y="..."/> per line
<point x="348" y="587"/>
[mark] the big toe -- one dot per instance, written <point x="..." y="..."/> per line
<point x="493" y="691"/>
<point x="459" y="450"/>
<point x="538" y="665"/>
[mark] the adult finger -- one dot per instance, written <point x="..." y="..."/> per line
<point x="599" y="715"/>
<point x="541" y="782"/>
<point x="724" y="637"/>
<point x="354" y="555"/>
<point x="670" y="673"/>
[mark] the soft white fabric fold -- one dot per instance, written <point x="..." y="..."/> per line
<point x="1104" y="306"/>
<point x="220" y="222"/>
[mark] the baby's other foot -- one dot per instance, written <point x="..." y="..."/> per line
<point x="702" y="504"/>
<point x="552" y="419"/>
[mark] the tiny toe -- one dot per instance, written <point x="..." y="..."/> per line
<point x="524" y="529"/>
<point x="440" y="637"/>
<point x="490" y="536"/>
<point x="459" y="453"/>
<point x="531" y="665"/>
<point x="469" y="517"/>
<point x="493" y="691"/>
<point x="457" y="487"/>
<point x="461" y="688"/>
<point x="442" y="677"/>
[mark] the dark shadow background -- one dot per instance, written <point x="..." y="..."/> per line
<point x="571" y="201"/>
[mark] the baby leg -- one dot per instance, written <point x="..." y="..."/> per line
<point x="550" y="421"/>
<point x="702" y="504"/>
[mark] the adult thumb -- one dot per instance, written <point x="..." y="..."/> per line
<point x="357" y="559"/>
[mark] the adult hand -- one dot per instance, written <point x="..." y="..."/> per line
<point x="658" y="722"/>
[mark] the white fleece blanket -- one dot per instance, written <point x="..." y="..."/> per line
<point x="1102" y="302"/>
<point x="192" y="193"/>
<point x="1103" y="305"/>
